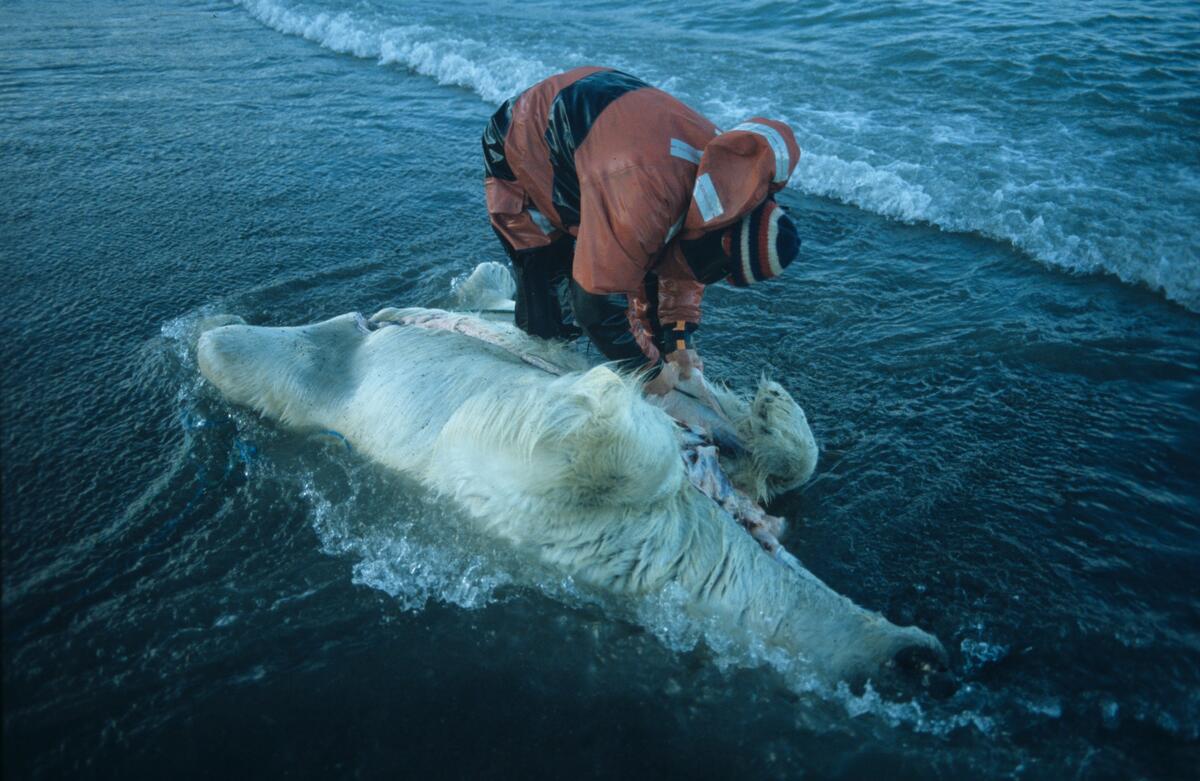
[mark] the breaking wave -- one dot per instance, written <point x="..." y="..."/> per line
<point x="1035" y="206"/>
<point x="450" y="60"/>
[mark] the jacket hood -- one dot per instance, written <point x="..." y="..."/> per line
<point x="738" y="170"/>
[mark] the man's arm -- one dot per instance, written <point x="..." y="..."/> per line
<point x="679" y="297"/>
<point x="623" y="224"/>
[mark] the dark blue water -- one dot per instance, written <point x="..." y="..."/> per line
<point x="1009" y="452"/>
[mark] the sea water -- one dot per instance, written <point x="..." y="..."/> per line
<point x="993" y="328"/>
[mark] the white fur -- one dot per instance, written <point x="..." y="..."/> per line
<point x="782" y="453"/>
<point x="578" y="470"/>
<point x="488" y="287"/>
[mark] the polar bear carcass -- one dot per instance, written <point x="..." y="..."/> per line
<point x="579" y="469"/>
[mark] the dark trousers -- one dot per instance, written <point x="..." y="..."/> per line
<point x="550" y="304"/>
<point x="543" y="277"/>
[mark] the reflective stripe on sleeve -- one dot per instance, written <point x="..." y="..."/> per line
<point x="707" y="201"/>
<point x="685" y="151"/>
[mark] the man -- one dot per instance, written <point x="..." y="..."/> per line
<point x="617" y="204"/>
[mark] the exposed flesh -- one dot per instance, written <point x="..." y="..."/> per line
<point x="705" y="426"/>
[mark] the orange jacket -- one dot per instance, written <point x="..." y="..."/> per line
<point x="614" y="162"/>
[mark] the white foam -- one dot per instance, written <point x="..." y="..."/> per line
<point x="977" y="653"/>
<point x="667" y="617"/>
<point x="861" y="184"/>
<point x="491" y="73"/>
<point x="1034" y="224"/>
<point x="393" y="557"/>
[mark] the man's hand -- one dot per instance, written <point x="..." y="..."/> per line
<point x="684" y="361"/>
<point x="678" y="366"/>
<point x="662" y="384"/>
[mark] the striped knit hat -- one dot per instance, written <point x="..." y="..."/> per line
<point x="762" y="244"/>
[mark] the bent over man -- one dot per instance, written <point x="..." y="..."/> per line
<point x="617" y="204"/>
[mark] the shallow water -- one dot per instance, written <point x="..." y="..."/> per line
<point x="1009" y="452"/>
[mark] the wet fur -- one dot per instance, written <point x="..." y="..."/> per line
<point x="578" y="471"/>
